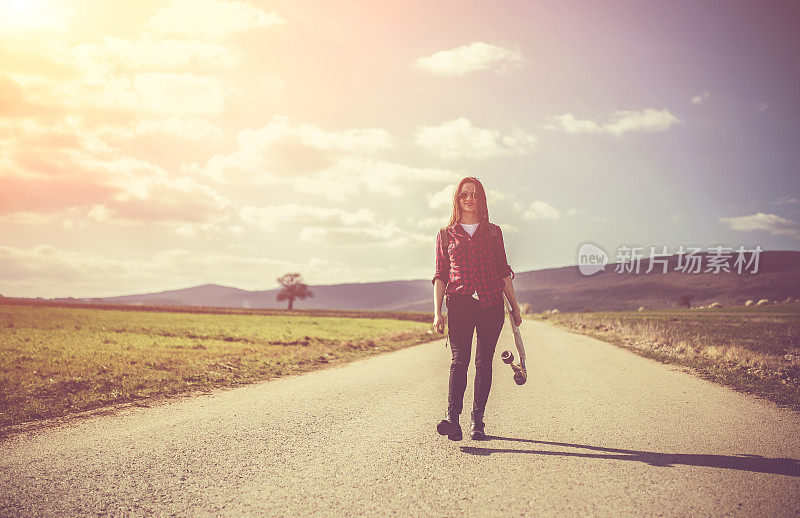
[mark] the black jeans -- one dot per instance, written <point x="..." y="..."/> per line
<point x="464" y="316"/>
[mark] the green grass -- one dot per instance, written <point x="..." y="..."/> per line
<point x="59" y="360"/>
<point x="750" y="348"/>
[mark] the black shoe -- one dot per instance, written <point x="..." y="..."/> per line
<point x="450" y="428"/>
<point x="476" y="429"/>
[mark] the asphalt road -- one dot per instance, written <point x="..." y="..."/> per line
<point x="595" y="431"/>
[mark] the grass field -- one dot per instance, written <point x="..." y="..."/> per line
<point x="756" y="349"/>
<point x="59" y="360"/>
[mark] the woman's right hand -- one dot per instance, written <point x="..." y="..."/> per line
<point x="438" y="323"/>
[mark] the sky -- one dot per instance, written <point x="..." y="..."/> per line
<point x="150" y="145"/>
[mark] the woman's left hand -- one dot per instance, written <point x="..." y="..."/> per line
<point x="516" y="315"/>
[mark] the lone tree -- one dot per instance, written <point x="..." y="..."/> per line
<point x="685" y="300"/>
<point x="293" y="288"/>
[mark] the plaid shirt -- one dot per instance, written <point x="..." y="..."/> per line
<point x="473" y="264"/>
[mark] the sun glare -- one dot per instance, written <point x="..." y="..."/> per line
<point x="30" y="14"/>
<point x="22" y="7"/>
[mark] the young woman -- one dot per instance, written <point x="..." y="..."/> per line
<point x="472" y="271"/>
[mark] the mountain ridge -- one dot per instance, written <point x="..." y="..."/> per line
<point x="563" y="288"/>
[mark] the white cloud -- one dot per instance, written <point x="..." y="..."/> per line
<point x="48" y="271"/>
<point x="538" y="210"/>
<point x="168" y="200"/>
<point x="56" y="161"/>
<point x="785" y="200"/>
<point x="334" y="226"/>
<point x="335" y="164"/>
<point x="195" y="230"/>
<point x="284" y="149"/>
<point x="303" y="215"/>
<point x="186" y="128"/>
<point x="36" y="148"/>
<point x="649" y="120"/>
<point x="629" y="121"/>
<point x="52" y="169"/>
<point x="441" y="198"/>
<point x="188" y="209"/>
<point x="570" y="124"/>
<point x="67" y="172"/>
<point x="353" y="175"/>
<point x="460" y="139"/>
<point x="345" y="178"/>
<point x="357" y="140"/>
<point x="191" y="128"/>
<point x="508" y="228"/>
<point x="30" y="218"/>
<point x="700" y="99"/>
<point x="493" y="196"/>
<point x="180" y="94"/>
<point x="165" y="55"/>
<point x="762" y="107"/>
<point x="104" y="93"/>
<point x="121" y="87"/>
<point x="211" y="18"/>
<point x="469" y="58"/>
<point x="99" y="213"/>
<point x="381" y="234"/>
<point x="26" y="18"/>
<point x="773" y="223"/>
<point x="429" y="224"/>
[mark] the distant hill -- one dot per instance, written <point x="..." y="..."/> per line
<point x="393" y="295"/>
<point x="778" y="277"/>
<point x="562" y="288"/>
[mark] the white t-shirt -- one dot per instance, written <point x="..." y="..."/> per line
<point x="470" y="228"/>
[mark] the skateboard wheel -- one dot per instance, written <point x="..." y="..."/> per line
<point x="520" y="379"/>
<point x="507" y="357"/>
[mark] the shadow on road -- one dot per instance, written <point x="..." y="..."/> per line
<point x="754" y="463"/>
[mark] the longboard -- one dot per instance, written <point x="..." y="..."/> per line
<point x="520" y="373"/>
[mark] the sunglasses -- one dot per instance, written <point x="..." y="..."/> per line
<point x="473" y="195"/>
